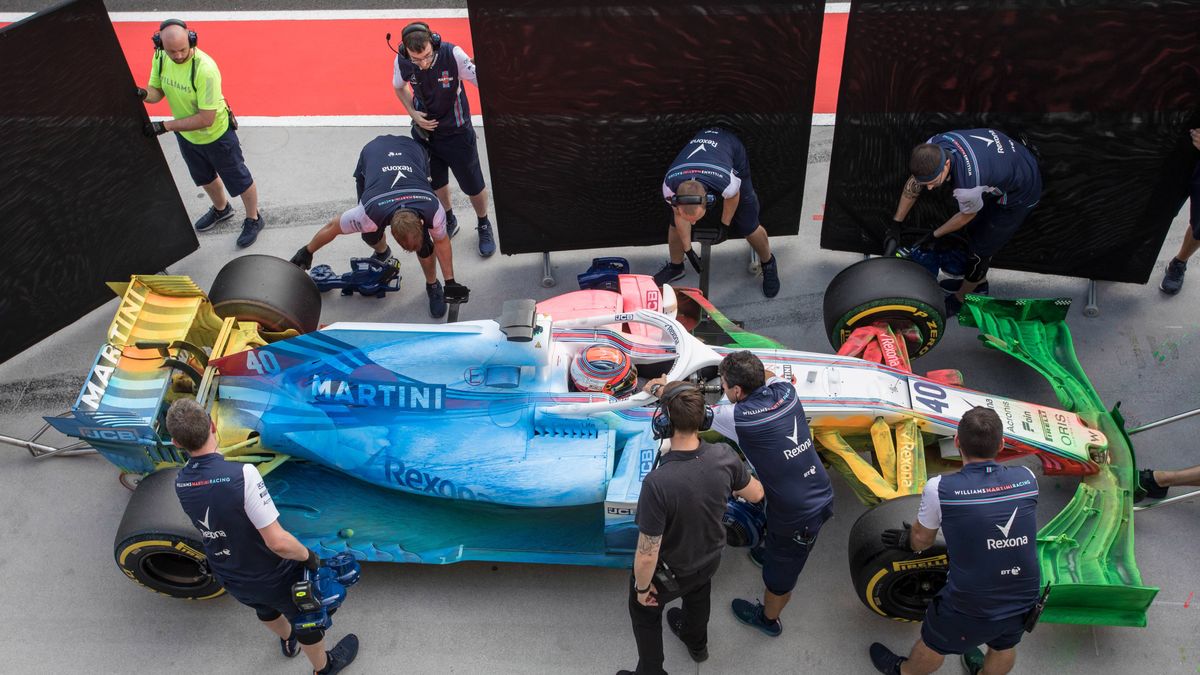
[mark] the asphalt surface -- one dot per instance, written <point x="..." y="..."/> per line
<point x="70" y="609"/>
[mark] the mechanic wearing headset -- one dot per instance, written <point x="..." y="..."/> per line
<point x="996" y="183"/>
<point x="392" y="181"/>
<point x="765" y="418"/>
<point x="437" y="103"/>
<point x="713" y="164"/>
<point x="255" y="559"/>
<point x="988" y="512"/>
<point x="203" y="125"/>
<point x="680" y="533"/>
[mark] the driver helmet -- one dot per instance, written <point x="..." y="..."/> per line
<point x="603" y="368"/>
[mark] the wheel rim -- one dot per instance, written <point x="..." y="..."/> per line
<point x="911" y="593"/>
<point x="175" y="570"/>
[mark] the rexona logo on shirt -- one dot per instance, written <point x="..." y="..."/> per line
<point x="1006" y="541"/>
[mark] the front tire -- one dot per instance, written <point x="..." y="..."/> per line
<point x="896" y="291"/>
<point x="158" y="547"/>
<point x="893" y="583"/>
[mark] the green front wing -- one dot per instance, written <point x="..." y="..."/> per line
<point x="1086" y="551"/>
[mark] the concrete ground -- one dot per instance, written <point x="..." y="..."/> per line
<point x="71" y="610"/>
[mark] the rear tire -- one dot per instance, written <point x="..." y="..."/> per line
<point x="897" y="291"/>
<point x="158" y="547"/>
<point x="893" y="583"/>
<point x="270" y="291"/>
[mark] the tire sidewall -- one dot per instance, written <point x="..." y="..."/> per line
<point x="133" y="553"/>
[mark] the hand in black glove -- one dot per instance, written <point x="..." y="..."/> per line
<point x="456" y="292"/>
<point x="314" y="561"/>
<point x="142" y="93"/>
<point x="900" y="538"/>
<point x="153" y="129"/>
<point x="302" y="259"/>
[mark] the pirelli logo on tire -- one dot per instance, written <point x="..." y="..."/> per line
<point x="920" y="563"/>
<point x="189" y="551"/>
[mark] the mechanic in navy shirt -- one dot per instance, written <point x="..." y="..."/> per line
<point x="766" y="419"/>
<point x="996" y="182"/>
<point x="989" y="515"/>
<point x="392" y="181"/>
<point x="712" y="165"/>
<point x="1173" y="278"/>
<point x="437" y="102"/>
<point x="246" y="548"/>
<point x="679" y="518"/>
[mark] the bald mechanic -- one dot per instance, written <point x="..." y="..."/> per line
<point x="996" y="182"/>
<point x="392" y="181"/>
<point x="712" y="165"/>
<point x="190" y="81"/>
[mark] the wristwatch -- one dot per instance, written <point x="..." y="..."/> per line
<point x="640" y="591"/>
<point x="655" y="389"/>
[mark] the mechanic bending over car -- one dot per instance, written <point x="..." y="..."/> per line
<point x="996" y="182"/>
<point x="246" y="548"/>
<point x="711" y="165"/>
<point x="680" y="533"/>
<point x="988" y="512"/>
<point x="765" y="418"/>
<point x="392" y="182"/>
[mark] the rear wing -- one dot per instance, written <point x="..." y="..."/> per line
<point x="1086" y="552"/>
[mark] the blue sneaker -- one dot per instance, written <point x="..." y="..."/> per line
<point x="250" y="229"/>
<point x="885" y="660"/>
<point x="757" y="555"/>
<point x="751" y="614"/>
<point x="290" y="647"/>
<point x="451" y="224"/>
<point x="211" y="217"/>
<point x="487" y="242"/>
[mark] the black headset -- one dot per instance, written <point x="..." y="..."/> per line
<point x="418" y="27"/>
<point x="157" y="38"/>
<point x="706" y="200"/>
<point x="660" y="424"/>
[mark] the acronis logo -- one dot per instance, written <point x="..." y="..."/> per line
<point x="396" y="395"/>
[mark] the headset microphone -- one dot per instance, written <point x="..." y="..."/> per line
<point x="388" y="37"/>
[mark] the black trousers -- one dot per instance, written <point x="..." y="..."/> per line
<point x="647" y="621"/>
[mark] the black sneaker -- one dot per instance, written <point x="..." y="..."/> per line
<point x="451" y="224"/>
<point x="211" y="217"/>
<point x="751" y="614"/>
<point x="953" y="284"/>
<point x="1149" y="486"/>
<point x="1173" y="279"/>
<point x="972" y="661"/>
<point x="250" y="230"/>
<point x="341" y="655"/>
<point x="437" y="299"/>
<point x="669" y="272"/>
<point x="290" y="647"/>
<point x="487" y="242"/>
<point x="382" y="257"/>
<point x="757" y="555"/>
<point x="886" y="661"/>
<point x="770" y="272"/>
<point x="675" y="623"/>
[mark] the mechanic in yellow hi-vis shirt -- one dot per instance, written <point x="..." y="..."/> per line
<point x="203" y="124"/>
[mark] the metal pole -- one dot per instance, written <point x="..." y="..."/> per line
<point x="1091" y="309"/>
<point x="1162" y="422"/>
<point x="38" y="450"/>
<point x="705" y="264"/>
<point x="547" y="272"/>
<point x="452" y="316"/>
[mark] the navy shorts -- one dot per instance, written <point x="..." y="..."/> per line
<point x="457" y="152"/>
<point x="268" y="602"/>
<point x="222" y="157"/>
<point x="785" y="554"/>
<point x="948" y="632"/>
<point x="745" y="218"/>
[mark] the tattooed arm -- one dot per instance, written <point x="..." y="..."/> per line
<point x="908" y="197"/>
<point x="644" y="563"/>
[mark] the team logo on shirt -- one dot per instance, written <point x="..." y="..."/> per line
<point x="1007" y="542"/>
<point x="445" y="79"/>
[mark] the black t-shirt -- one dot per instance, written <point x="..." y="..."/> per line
<point x="683" y="501"/>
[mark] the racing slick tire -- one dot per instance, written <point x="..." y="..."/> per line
<point x="896" y="291"/>
<point x="158" y="547"/>
<point x="269" y="290"/>
<point x="893" y="583"/>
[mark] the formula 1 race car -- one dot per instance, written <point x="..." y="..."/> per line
<point x="440" y="443"/>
